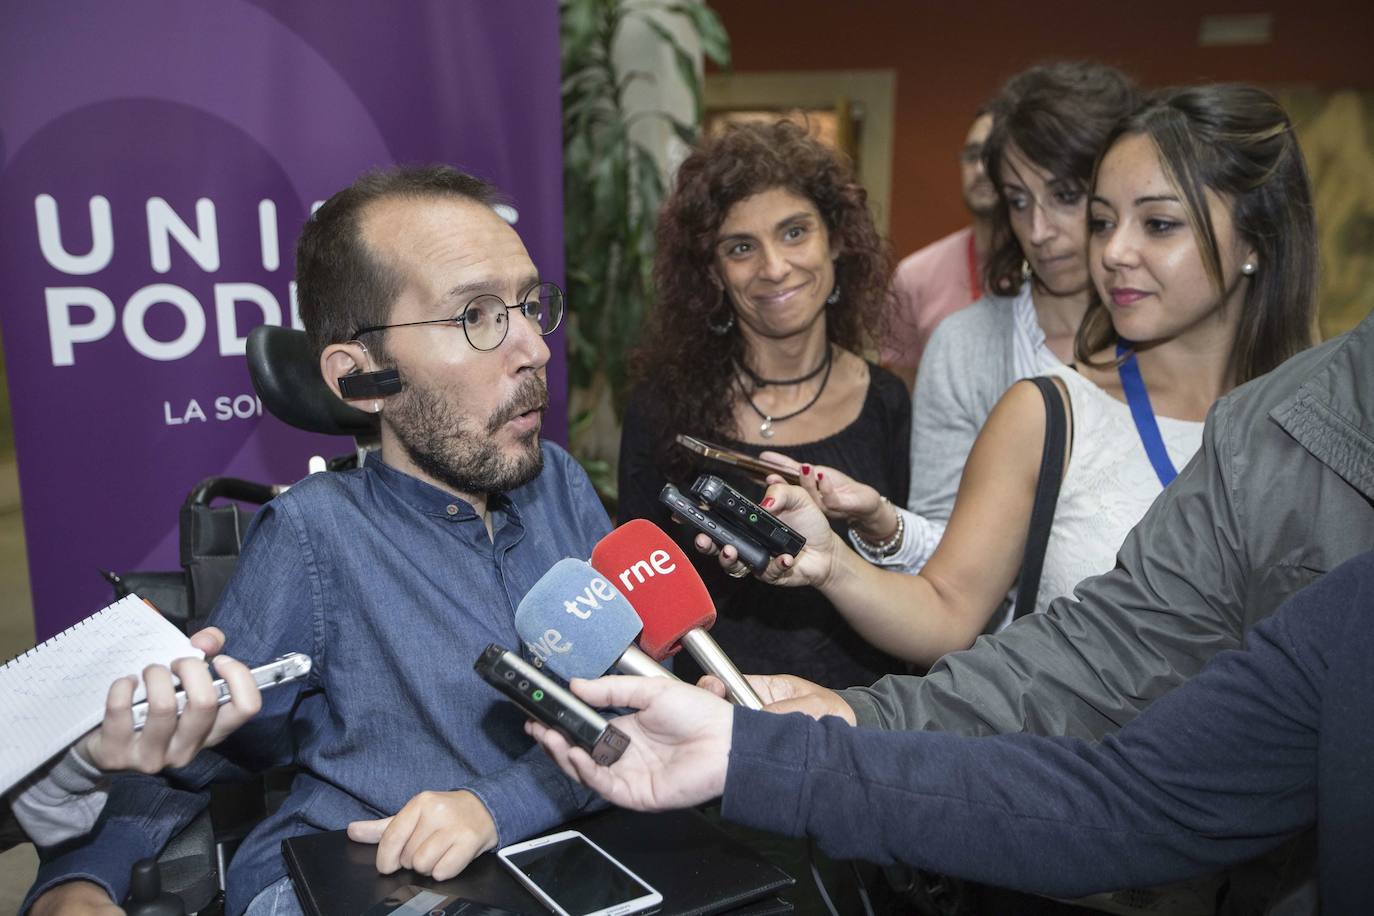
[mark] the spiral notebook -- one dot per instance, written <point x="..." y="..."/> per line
<point x="55" y="692"/>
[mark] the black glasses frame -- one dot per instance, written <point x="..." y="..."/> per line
<point x="461" y="318"/>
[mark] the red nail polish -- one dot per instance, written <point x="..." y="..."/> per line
<point x="767" y="501"/>
<point x="806" y="470"/>
<point x="820" y="476"/>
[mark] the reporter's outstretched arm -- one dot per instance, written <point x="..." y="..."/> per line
<point x="944" y="609"/>
<point x="144" y="812"/>
<point x="169" y="740"/>
<point x="1092" y="662"/>
<point x="1218" y="771"/>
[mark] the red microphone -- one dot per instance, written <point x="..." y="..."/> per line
<point x="655" y="575"/>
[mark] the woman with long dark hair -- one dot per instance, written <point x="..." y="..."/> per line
<point x="770" y="279"/>
<point x="1049" y="125"/>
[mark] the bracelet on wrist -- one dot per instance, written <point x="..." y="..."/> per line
<point x="881" y="550"/>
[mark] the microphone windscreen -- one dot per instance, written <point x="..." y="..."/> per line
<point x="655" y="575"/>
<point x="575" y="622"/>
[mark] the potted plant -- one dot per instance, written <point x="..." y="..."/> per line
<point x="613" y="184"/>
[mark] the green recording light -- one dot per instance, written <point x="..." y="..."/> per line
<point x="538" y="695"/>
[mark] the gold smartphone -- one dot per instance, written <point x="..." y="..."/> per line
<point x="728" y="456"/>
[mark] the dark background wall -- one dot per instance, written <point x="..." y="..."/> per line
<point x="950" y="56"/>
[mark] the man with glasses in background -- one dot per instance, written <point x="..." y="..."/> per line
<point x="425" y="308"/>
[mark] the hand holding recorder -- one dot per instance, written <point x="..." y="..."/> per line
<point x="843" y="498"/>
<point x="679" y="744"/>
<point x="731" y="519"/>
<point x="794" y="508"/>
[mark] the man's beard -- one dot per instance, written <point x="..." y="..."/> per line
<point x="984" y="207"/>
<point x="450" y="447"/>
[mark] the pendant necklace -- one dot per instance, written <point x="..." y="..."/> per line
<point x="766" y="427"/>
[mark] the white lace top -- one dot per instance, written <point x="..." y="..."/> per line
<point x="1109" y="485"/>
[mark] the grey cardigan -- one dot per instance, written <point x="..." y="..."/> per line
<point x="966" y="370"/>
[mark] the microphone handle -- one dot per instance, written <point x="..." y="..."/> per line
<point x="711" y="657"/>
<point x="637" y="661"/>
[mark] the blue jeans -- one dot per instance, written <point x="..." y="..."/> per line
<point x="276" y="899"/>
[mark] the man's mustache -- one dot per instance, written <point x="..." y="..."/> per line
<point x="533" y="394"/>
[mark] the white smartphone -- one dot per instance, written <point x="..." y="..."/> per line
<point x="573" y="876"/>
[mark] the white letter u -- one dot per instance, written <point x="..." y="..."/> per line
<point x="50" y="237"/>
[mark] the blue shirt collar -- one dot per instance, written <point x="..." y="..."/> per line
<point x="430" y="500"/>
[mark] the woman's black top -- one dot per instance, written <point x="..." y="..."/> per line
<point x="767" y="629"/>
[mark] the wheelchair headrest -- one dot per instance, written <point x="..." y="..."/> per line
<point x="286" y="376"/>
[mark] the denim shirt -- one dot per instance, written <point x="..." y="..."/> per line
<point x="394" y="588"/>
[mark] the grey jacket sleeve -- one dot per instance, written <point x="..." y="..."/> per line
<point x="1091" y="662"/>
<point x="1213" y="774"/>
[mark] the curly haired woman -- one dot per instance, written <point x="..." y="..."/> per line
<point x="770" y="280"/>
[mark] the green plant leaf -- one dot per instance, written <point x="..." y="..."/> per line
<point x="686" y="66"/>
<point x="612" y="191"/>
<point x="687" y="133"/>
<point x="715" y="43"/>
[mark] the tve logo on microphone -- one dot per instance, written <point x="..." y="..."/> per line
<point x="598" y="587"/>
<point x="574" y="612"/>
<point x="546" y="645"/>
<point x="581" y="607"/>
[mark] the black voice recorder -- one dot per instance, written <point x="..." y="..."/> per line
<point x="747" y="517"/>
<point x="548" y="702"/>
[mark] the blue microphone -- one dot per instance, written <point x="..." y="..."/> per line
<point x="577" y="624"/>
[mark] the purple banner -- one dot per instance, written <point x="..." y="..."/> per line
<point x="157" y="160"/>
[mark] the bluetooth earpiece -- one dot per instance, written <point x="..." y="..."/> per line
<point x="378" y="384"/>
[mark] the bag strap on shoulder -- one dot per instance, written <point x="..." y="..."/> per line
<point x="1046" y="496"/>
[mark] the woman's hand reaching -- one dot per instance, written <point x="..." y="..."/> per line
<point x="842" y="497"/>
<point x="795" y="508"/>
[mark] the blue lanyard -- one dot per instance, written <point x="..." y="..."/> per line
<point x="1144" y="415"/>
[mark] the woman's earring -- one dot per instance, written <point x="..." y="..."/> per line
<point x="1248" y="269"/>
<point x="723" y="328"/>
<point x="834" y="295"/>
<point x="1026" y="273"/>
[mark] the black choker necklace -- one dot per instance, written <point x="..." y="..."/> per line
<point x="766" y="427"/>
<point x="761" y="382"/>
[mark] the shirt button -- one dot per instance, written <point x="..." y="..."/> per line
<point x="452" y="510"/>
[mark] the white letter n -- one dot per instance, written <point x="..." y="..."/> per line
<point x="202" y="245"/>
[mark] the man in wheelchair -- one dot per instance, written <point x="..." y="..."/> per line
<point x="393" y="576"/>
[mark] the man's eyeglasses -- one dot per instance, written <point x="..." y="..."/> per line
<point x="485" y="320"/>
